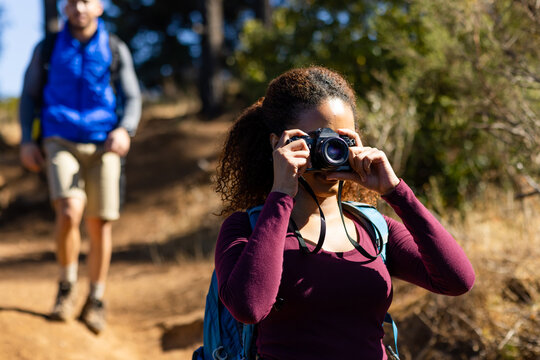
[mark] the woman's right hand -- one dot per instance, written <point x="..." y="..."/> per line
<point x="290" y="161"/>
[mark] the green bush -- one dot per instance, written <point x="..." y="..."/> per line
<point x="9" y="110"/>
<point x="448" y="89"/>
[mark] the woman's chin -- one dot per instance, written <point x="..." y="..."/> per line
<point x="321" y="185"/>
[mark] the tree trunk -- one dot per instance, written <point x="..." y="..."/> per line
<point x="211" y="81"/>
<point x="52" y="20"/>
<point x="263" y="12"/>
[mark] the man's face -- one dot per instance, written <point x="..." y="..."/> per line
<point x="82" y="13"/>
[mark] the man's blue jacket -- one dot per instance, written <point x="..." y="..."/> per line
<point x="79" y="103"/>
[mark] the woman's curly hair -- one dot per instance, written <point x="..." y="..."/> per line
<point x="245" y="171"/>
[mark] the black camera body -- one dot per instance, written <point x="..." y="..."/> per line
<point x="329" y="151"/>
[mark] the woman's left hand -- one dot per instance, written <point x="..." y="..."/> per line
<point x="371" y="167"/>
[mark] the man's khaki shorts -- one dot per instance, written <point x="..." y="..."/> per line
<point x="87" y="172"/>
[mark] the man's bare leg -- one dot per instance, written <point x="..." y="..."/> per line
<point x="69" y="213"/>
<point x="99" y="258"/>
<point x="100" y="232"/>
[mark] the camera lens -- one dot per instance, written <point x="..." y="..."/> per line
<point x="335" y="151"/>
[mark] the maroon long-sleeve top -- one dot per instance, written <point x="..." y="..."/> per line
<point x="331" y="305"/>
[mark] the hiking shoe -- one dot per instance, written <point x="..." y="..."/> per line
<point x="93" y="314"/>
<point x="65" y="302"/>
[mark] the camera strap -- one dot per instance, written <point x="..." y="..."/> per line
<point x="366" y="225"/>
<point x="322" y="233"/>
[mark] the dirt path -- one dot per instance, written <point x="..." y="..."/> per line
<point x="161" y="262"/>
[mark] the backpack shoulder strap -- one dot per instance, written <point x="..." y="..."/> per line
<point x="47" y="49"/>
<point x="114" y="44"/>
<point x="114" y="68"/>
<point x="373" y="221"/>
<point x="253" y="214"/>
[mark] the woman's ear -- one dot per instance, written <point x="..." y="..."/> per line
<point x="273" y="140"/>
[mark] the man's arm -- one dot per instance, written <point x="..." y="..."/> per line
<point x="119" y="140"/>
<point x="30" y="153"/>
<point x="130" y="91"/>
<point x="31" y="94"/>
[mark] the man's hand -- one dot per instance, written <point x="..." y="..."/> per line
<point x="31" y="157"/>
<point x="118" y="141"/>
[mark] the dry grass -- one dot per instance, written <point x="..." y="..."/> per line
<point x="500" y="317"/>
<point x="10" y="133"/>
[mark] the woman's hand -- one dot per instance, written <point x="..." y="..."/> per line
<point x="290" y="161"/>
<point x="371" y="167"/>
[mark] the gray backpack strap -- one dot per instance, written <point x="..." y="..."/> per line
<point x="114" y="44"/>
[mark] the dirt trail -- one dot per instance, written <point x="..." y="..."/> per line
<point x="161" y="262"/>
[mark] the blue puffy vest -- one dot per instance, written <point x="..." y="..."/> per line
<point x="79" y="103"/>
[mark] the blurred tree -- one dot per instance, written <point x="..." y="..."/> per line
<point x="263" y="12"/>
<point x="167" y="36"/>
<point x="210" y="77"/>
<point x="163" y="35"/>
<point x="449" y="89"/>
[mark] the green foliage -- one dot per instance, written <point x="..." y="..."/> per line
<point x="9" y="110"/>
<point x="336" y="34"/>
<point x="150" y="28"/>
<point x="165" y="36"/>
<point x="450" y="90"/>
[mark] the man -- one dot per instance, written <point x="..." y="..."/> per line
<point x="84" y="140"/>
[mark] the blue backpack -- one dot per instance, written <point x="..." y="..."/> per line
<point x="226" y="338"/>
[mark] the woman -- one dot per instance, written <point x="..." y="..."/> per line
<point x="328" y="304"/>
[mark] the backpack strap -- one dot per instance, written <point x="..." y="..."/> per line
<point x="114" y="45"/>
<point x="253" y="214"/>
<point x="372" y="220"/>
<point x="388" y="319"/>
<point x="47" y="49"/>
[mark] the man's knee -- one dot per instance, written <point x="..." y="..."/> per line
<point x="69" y="211"/>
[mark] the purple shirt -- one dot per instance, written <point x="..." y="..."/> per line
<point x="332" y="305"/>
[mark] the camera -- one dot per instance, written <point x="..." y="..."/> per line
<point x="329" y="151"/>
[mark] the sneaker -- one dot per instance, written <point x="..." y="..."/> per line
<point x="65" y="302"/>
<point x="93" y="315"/>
